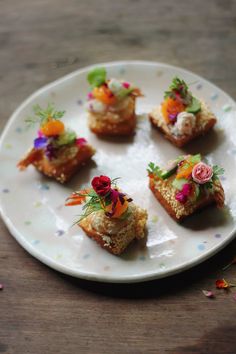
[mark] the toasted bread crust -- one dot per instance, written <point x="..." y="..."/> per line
<point x="125" y="232"/>
<point x="182" y="141"/>
<point x="63" y="170"/>
<point x="113" y="247"/>
<point x="175" y="213"/>
<point x="121" y="122"/>
<point x="112" y="129"/>
<point x="205" y="122"/>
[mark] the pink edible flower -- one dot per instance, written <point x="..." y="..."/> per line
<point x="81" y="141"/>
<point x="186" y="190"/>
<point x="90" y="96"/>
<point x="202" y="173"/>
<point x="40" y="134"/>
<point x="126" y="85"/>
<point x="182" y="196"/>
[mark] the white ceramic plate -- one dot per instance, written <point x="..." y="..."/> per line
<point x="33" y="206"/>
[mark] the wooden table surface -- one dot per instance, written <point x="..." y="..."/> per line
<point x="42" y="311"/>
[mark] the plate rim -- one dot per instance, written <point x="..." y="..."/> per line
<point x="148" y="276"/>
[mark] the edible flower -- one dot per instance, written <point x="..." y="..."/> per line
<point x="81" y="141"/>
<point x="170" y="109"/>
<point x="208" y="293"/>
<point x="202" y="173"/>
<point x="223" y="284"/>
<point x="103" y="196"/>
<point x="40" y="143"/>
<point x="90" y="96"/>
<point x="118" y="205"/>
<point x="104" y="94"/>
<point x="77" y="198"/>
<point x="126" y="85"/>
<point x="101" y="185"/>
<point x="50" y="151"/>
<point x="182" y="195"/>
<point x="52" y="127"/>
<point x="178" y="96"/>
<point x="186" y="166"/>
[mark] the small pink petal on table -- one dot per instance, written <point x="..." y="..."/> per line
<point x="1" y="287"/>
<point x="208" y="293"/>
<point x="234" y="297"/>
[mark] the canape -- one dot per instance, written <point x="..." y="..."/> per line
<point x="110" y="217"/>
<point x="186" y="185"/>
<point x="111" y="104"/>
<point x="57" y="153"/>
<point x="181" y="117"/>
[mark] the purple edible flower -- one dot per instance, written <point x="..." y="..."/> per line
<point x="50" y="151"/>
<point x="114" y="196"/>
<point x="172" y="117"/>
<point x="40" y="143"/>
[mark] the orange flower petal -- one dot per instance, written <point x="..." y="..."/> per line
<point x="77" y="198"/>
<point x="171" y="106"/>
<point x="222" y="284"/>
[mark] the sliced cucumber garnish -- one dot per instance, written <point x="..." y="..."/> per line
<point x="167" y="174"/>
<point x="195" y="106"/>
<point x="178" y="183"/>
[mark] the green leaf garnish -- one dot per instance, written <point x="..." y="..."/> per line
<point x="178" y="88"/>
<point x="41" y="115"/>
<point x="217" y="171"/>
<point x="97" y="77"/>
<point x="154" y="169"/>
<point x="195" y="158"/>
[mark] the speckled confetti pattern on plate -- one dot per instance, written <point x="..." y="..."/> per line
<point x="33" y="206"/>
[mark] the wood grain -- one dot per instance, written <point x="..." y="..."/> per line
<point x="42" y="311"/>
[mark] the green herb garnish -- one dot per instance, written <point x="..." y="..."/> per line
<point x="217" y="171"/>
<point x="154" y="169"/>
<point x="179" y="90"/>
<point x="41" y="115"/>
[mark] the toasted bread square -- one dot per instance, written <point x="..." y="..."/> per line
<point x="205" y="120"/>
<point x="113" y="234"/>
<point x="63" y="166"/>
<point x="165" y="194"/>
<point x="118" y="121"/>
